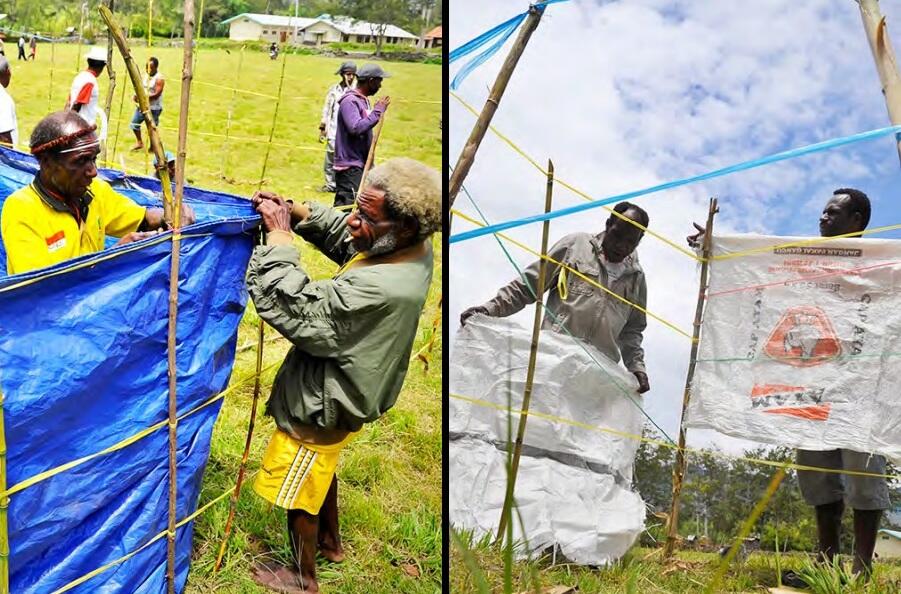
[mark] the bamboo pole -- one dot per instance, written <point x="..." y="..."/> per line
<point x="112" y="83"/>
<point x="278" y="100"/>
<point x="80" y="37"/>
<point x="144" y="105"/>
<point x="884" y="57"/>
<point x="119" y="125"/>
<point x="233" y="504"/>
<point x="186" y="77"/>
<point x="199" y="34"/>
<point x="149" y="23"/>
<point x="370" y="158"/>
<point x="468" y="155"/>
<point x="679" y="469"/>
<point x="231" y="108"/>
<point x="4" y="507"/>
<point x="533" y="357"/>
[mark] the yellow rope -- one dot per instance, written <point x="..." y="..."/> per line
<point x="661" y="443"/>
<point x="562" y="289"/>
<point x="20" y="486"/>
<point x="577" y="191"/>
<point x="162" y="534"/>
<point x="587" y="279"/>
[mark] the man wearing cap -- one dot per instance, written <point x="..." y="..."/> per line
<point x="353" y="135"/>
<point x="154" y="83"/>
<point x="352" y="336"/>
<point x="84" y="95"/>
<point x="328" y="126"/>
<point x="67" y="211"/>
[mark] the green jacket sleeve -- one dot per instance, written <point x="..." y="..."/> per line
<point x="519" y="292"/>
<point x="630" y="337"/>
<point x="326" y="229"/>
<point x="317" y="316"/>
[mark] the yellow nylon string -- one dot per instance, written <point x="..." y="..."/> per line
<point x="164" y="533"/>
<point x="575" y="190"/>
<point x="666" y="444"/>
<point x="562" y="289"/>
<point x="587" y="279"/>
<point x="31" y="481"/>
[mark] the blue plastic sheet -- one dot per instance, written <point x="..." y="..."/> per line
<point x="83" y="366"/>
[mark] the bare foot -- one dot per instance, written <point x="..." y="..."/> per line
<point x="137" y="148"/>
<point x="279" y="578"/>
<point x="332" y="553"/>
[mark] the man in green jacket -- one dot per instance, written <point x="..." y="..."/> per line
<point x="353" y="335"/>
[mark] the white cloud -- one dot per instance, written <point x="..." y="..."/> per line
<point x="626" y="95"/>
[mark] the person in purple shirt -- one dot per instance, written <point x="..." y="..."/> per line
<point x="354" y="134"/>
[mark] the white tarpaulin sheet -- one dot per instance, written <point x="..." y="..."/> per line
<point x="800" y="345"/>
<point x="573" y="487"/>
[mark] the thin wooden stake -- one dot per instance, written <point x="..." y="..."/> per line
<point x="884" y="56"/>
<point x="278" y="100"/>
<point x="468" y="155"/>
<point x="112" y="84"/>
<point x="149" y="24"/>
<point x="231" y="108"/>
<point x="119" y="125"/>
<point x="233" y="504"/>
<point x="144" y="105"/>
<point x="4" y="507"/>
<point x="173" y="287"/>
<point x="679" y="469"/>
<point x="370" y="158"/>
<point x="533" y="357"/>
<point x="52" y="65"/>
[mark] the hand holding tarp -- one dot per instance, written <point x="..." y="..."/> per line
<point x="643" y="385"/>
<point x="276" y="213"/>
<point x="478" y="309"/>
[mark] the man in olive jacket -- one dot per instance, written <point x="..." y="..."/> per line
<point x="582" y="309"/>
<point x="352" y="334"/>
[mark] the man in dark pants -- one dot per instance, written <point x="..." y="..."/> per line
<point x="354" y="135"/>
<point x="846" y="212"/>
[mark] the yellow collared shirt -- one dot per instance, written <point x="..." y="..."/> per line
<point x="35" y="235"/>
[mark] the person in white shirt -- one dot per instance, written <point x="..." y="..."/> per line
<point x="22" y="49"/>
<point x="153" y="86"/>
<point x="329" y="123"/>
<point x="9" y="127"/>
<point x="84" y="96"/>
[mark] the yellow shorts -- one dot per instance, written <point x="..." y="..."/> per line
<point x="295" y="475"/>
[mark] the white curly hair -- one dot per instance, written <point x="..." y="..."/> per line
<point x="412" y="189"/>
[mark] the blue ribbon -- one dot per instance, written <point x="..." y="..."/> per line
<point x="500" y="34"/>
<point x="789" y="154"/>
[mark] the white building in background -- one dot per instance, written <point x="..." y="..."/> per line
<point x="312" y="31"/>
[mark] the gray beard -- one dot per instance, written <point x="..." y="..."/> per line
<point x="385" y="244"/>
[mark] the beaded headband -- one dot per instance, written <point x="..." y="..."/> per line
<point x="64" y="140"/>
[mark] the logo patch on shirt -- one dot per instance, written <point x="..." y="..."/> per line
<point x="56" y="241"/>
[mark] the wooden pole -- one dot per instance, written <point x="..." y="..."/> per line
<point x="370" y="158"/>
<point x="149" y="23"/>
<point x="533" y="357"/>
<point x="278" y="100"/>
<point x="52" y="65"/>
<point x="884" y="56"/>
<point x="144" y="105"/>
<point x="679" y="469"/>
<point x="4" y="507"/>
<point x="233" y="504"/>
<point x="468" y="155"/>
<point x="231" y="108"/>
<point x="80" y="37"/>
<point x="186" y="78"/>
<point x="112" y="84"/>
<point x="119" y="124"/>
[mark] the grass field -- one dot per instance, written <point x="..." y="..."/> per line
<point x="642" y="571"/>
<point x="390" y="477"/>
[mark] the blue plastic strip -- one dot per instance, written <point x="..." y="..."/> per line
<point x="789" y="154"/>
<point x="501" y="33"/>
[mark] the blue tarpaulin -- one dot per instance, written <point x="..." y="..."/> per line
<point x="83" y="367"/>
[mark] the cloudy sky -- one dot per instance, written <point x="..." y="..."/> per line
<point x="628" y="94"/>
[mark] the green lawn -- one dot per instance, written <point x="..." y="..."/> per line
<point x="390" y="489"/>
<point x="642" y="571"/>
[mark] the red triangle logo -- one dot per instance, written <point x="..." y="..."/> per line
<point x="804" y="337"/>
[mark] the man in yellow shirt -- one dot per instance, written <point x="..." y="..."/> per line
<point x="67" y="211"/>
